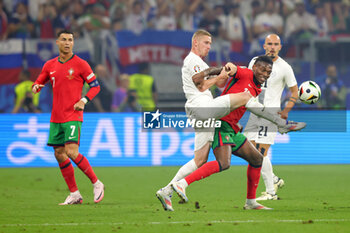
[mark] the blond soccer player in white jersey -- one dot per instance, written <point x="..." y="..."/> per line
<point x="261" y="132"/>
<point x="197" y="78"/>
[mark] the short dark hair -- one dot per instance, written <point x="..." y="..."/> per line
<point x="264" y="58"/>
<point x="64" y="31"/>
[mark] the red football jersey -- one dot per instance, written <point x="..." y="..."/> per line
<point x="242" y="81"/>
<point x="67" y="80"/>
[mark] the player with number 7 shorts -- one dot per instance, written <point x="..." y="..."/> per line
<point x="67" y="74"/>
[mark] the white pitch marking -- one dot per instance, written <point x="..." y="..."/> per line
<point x="178" y="222"/>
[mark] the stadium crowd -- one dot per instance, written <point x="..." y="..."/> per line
<point x="237" y="22"/>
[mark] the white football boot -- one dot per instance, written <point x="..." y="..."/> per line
<point x="255" y="206"/>
<point x="291" y="126"/>
<point x="99" y="191"/>
<point x="73" y="198"/>
<point x="180" y="190"/>
<point x="165" y="199"/>
<point x="267" y="196"/>
<point x="279" y="183"/>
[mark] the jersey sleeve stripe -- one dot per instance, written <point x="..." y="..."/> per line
<point x="90" y="76"/>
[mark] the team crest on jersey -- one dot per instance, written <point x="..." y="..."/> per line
<point x="197" y="69"/>
<point x="70" y="72"/>
<point x="227" y="138"/>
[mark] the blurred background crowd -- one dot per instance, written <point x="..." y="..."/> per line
<point x="315" y="36"/>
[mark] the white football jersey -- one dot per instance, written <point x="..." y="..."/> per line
<point x="271" y="91"/>
<point x="193" y="64"/>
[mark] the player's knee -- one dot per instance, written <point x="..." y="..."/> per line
<point x="60" y="155"/>
<point x="200" y="162"/>
<point x="225" y="166"/>
<point x="256" y="159"/>
<point x="72" y="153"/>
<point x="224" y="163"/>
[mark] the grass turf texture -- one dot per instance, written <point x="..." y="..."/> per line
<point x="315" y="199"/>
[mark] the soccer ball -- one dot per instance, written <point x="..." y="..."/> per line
<point x="309" y="92"/>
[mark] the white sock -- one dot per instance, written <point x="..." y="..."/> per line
<point x="184" y="171"/>
<point x="250" y="201"/>
<point x="258" y="109"/>
<point x="267" y="174"/>
<point x="183" y="182"/>
<point x="97" y="182"/>
<point x="75" y="193"/>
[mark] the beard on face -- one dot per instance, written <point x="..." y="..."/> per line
<point x="271" y="55"/>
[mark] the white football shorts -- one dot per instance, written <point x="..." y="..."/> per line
<point x="260" y="130"/>
<point x="207" y="108"/>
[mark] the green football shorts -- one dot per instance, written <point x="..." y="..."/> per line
<point x="225" y="135"/>
<point x="62" y="133"/>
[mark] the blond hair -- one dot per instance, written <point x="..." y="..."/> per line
<point x="199" y="33"/>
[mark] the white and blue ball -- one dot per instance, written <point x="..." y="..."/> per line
<point x="309" y="92"/>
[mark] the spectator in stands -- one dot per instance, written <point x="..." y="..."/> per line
<point x="256" y="9"/>
<point x="103" y="101"/>
<point x="165" y="19"/>
<point x="136" y="19"/>
<point x="116" y="6"/>
<point x="219" y="12"/>
<point x="78" y="19"/>
<point x="268" y="22"/>
<point x="118" y="21"/>
<point x="21" y="25"/>
<point x="25" y="101"/>
<point x="145" y="87"/>
<point x="121" y="93"/>
<point x="211" y="23"/>
<point x="237" y="27"/>
<point x="125" y="100"/>
<point x="64" y="19"/>
<point x="117" y="15"/>
<point x="46" y="16"/>
<point x="300" y="24"/>
<point x="188" y="14"/>
<point x="333" y="90"/>
<point x="97" y="25"/>
<point x="320" y="21"/>
<point x="96" y="20"/>
<point x="346" y="11"/>
<point x="3" y="21"/>
<point x="334" y="15"/>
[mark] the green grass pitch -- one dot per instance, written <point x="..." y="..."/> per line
<point x="316" y="198"/>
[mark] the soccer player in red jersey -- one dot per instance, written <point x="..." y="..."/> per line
<point x="228" y="139"/>
<point x="67" y="74"/>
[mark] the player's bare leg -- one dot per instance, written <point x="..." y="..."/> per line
<point x="267" y="173"/>
<point x="239" y="99"/>
<point x="259" y="109"/>
<point x="164" y="194"/>
<point x="72" y="151"/>
<point x="255" y="159"/>
<point x="67" y="171"/>
<point x="222" y="154"/>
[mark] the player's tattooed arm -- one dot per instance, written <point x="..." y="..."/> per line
<point x="290" y="104"/>
<point x="205" y="79"/>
